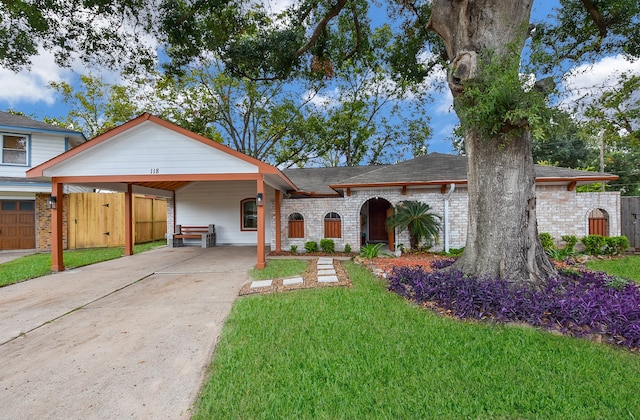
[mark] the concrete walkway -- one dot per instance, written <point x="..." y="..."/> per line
<point x="6" y="256"/>
<point x="127" y="338"/>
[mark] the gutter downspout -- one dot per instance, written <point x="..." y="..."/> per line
<point x="452" y="188"/>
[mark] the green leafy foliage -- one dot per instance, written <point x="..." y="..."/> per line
<point x="549" y="246"/>
<point x="601" y="245"/>
<point x="311" y="246"/>
<point x="370" y="250"/>
<point x="84" y="30"/>
<point x="293" y="248"/>
<point x="547" y="241"/>
<point x="563" y="143"/>
<point x="417" y="218"/>
<point x="495" y="104"/>
<point x="347" y="248"/>
<point x="327" y="245"/>
<point x="570" y="242"/>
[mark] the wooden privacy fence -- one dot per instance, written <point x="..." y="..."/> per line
<point x="630" y="220"/>
<point x="96" y="220"/>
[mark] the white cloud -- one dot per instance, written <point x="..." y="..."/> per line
<point x="277" y="6"/>
<point x="586" y="81"/>
<point x="30" y="86"/>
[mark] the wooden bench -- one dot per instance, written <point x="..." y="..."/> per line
<point x="207" y="235"/>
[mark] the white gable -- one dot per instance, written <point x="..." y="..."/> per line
<point x="148" y="149"/>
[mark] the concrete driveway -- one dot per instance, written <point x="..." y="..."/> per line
<point x="127" y="338"/>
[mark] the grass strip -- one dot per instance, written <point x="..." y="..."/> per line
<point x="280" y="269"/>
<point x="39" y="264"/>
<point x="627" y="267"/>
<point x="364" y="352"/>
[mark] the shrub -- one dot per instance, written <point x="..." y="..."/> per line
<point x="547" y="241"/>
<point x="370" y="250"/>
<point x="311" y="246"/>
<point x="347" y="248"/>
<point x="327" y="245"/>
<point x="616" y="245"/>
<point x="294" y="248"/>
<point x="575" y="303"/>
<point x="593" y="244"/>
<point x="600" y="245"/>
<point x="570" y="242"/>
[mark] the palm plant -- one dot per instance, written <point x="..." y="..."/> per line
<point x="418" y="219"/>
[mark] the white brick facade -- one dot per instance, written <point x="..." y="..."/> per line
<point x="559" y="212"/>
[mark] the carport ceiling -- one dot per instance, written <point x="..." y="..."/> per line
<point x="163" y="185"/>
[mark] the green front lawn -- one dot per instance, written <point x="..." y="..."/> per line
<point x="627" y="267"/>
<point x="363" y="352"/>
<point x="39" y="264"/>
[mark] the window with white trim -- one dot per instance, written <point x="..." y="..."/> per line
<point x="14" y="149"/>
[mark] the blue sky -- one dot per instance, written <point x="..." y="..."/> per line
<point x="27" y="90"/>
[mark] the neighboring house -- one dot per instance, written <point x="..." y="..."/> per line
<point x="253" y="203"/>
<point x="26" y="143"/>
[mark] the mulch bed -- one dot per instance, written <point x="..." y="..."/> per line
<point x="310" y="281"/>
<point x="382" y="266"/>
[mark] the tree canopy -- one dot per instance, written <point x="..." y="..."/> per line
<point x="490" y="48"/>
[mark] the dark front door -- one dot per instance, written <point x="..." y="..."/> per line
<point x="17" y="224"/>
<point x="377" y="218"/>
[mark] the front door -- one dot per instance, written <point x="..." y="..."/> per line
<point x="17" y="224"/>
<point x="377" y="220"/>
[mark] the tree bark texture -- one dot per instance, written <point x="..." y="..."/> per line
<point x="502" y="235"/>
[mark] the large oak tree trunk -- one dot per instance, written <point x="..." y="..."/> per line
<point x="502" y="236"/>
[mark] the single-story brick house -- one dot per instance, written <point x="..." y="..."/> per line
<point x="254" y="203"/>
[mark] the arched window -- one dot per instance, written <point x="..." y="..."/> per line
<point x="249" y="214"/>
<point x="332" y="225"/>
<point x="599" y="222"/>
<point x="296" y="225"/>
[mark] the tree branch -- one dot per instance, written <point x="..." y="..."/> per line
<point x="356" y="23"/>
<point x="333" y="12"/>
<point x="596" y="16"/>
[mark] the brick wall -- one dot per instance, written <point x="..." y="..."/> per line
<point x="43" y="222"/>
<point x="560" y="212"/>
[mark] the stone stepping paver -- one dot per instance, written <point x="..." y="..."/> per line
<point x="327" y="272"/>
<point x="325" y="260"/>
<point x="261" y="283"/>
<point x="325" y="267"/>
<point x="327" y="279"/>
<point x="292" y="281"/>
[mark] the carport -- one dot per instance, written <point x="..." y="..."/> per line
<point x="149" y="155"/>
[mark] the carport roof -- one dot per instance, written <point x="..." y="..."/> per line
<point x="124" y="155"/>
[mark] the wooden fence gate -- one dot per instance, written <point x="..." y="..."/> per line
<point x="96" y="220"/>
<point x="630" y="220"/>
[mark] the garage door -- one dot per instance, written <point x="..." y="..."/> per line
<point x="17" y="224"/>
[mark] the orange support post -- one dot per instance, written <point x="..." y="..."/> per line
<point x="261" y="224"/>
<point x="128" y="221"/>
<point x="278" y="224"/>
<point x="57" y="256"/>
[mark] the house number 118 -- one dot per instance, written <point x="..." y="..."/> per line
<point x="155" y="171"/>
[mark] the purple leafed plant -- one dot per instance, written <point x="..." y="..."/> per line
<point x="575" y="303"/>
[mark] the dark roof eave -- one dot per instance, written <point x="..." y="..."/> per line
<point x="568" y="180"/>
<point x="399" y="184"/>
